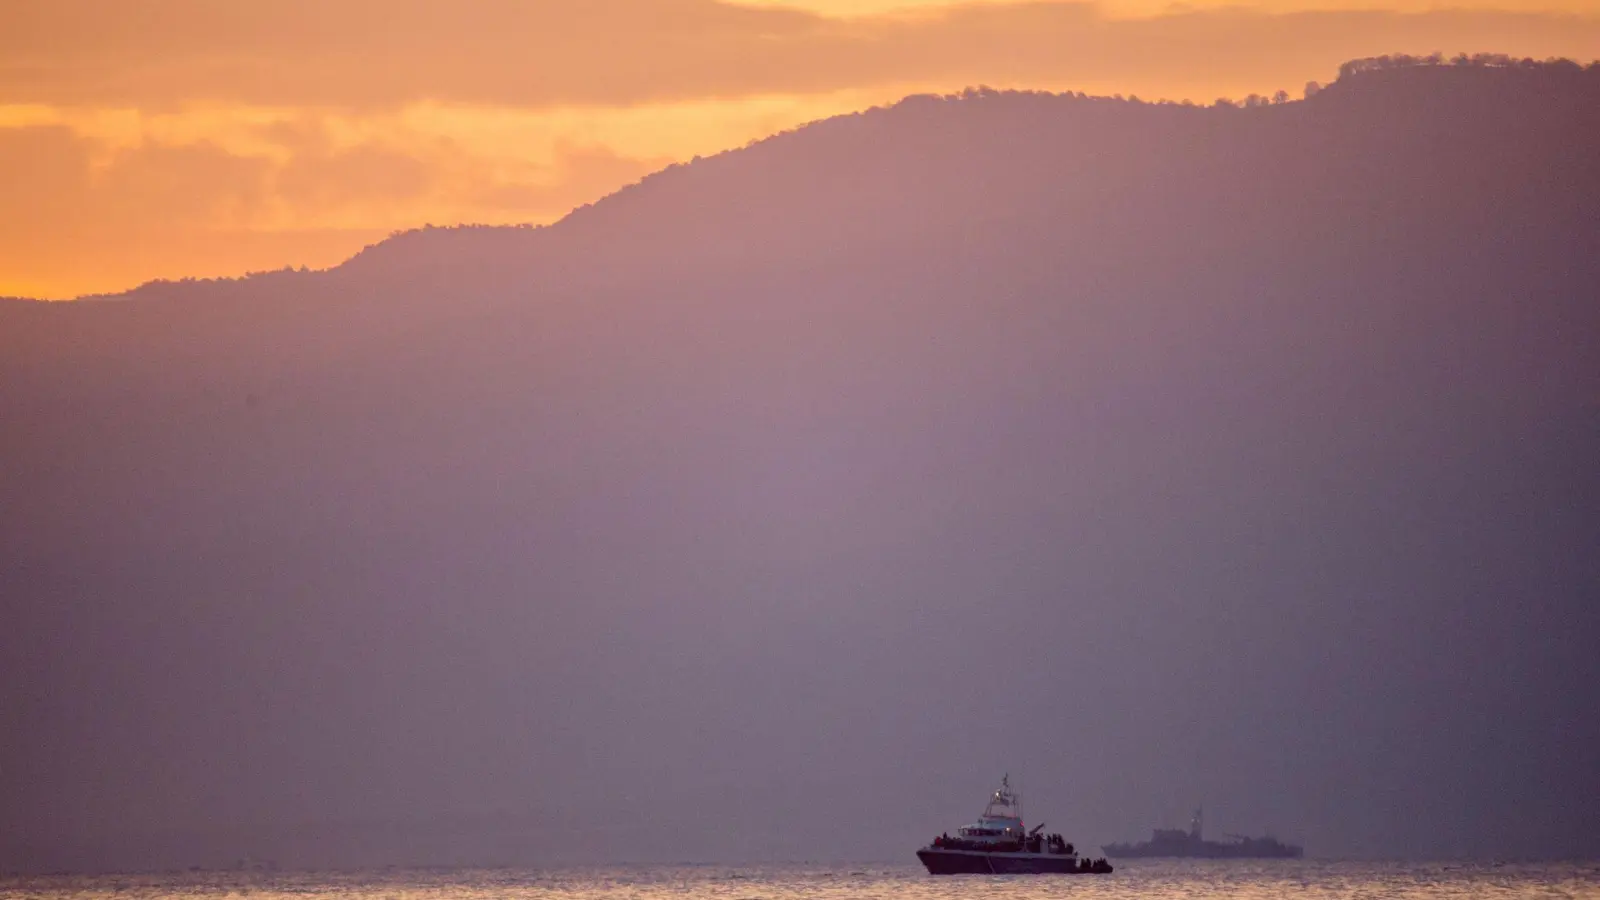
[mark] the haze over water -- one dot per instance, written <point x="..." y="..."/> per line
<point x="776" y="506"/>
<point x="1146" y="880"/>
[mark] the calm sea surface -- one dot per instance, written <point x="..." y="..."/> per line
<point x="1133" y="879"/>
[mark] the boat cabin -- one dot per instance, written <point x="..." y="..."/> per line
<point x="1001" y="822"/>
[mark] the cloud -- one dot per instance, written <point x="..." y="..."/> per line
<point x="72" y="182"/>
<point x="57" y="162"/>
<point x="96" y="214"/>
<point x="361" y="174"/>
<point x="359" y="54"/>
<point x="99" y="217"/>
<point x="577" y="175"/>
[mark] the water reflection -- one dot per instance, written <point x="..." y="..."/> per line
<point x="1143" y="879"/>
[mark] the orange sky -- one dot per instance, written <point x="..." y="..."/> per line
<point x="166" y="138"/>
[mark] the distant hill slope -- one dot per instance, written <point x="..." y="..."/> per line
<point x="1231" y="452"/>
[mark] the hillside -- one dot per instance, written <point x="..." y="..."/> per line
<point x="1236" y="454"/>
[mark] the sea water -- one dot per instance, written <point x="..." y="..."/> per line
<point x="1143" y="879"/>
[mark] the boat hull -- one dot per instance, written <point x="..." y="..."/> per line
<point x="976" y="862"/>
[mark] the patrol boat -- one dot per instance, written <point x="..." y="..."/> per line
<point x="1189" y="844"/>
<point x="998" y="844"/>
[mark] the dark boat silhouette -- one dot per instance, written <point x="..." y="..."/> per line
<point x="998" y="844"/>
<point x="1175" y="842"/>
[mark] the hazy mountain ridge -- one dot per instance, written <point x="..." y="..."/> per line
<point x="1260" y="440"/>
<point x="1404" y="81"/>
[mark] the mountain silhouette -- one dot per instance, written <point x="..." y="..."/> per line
<point x="1239" y="453"/>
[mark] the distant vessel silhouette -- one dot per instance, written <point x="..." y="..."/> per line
<point x="998" y="844"/>
<point x="1180" y="843"/>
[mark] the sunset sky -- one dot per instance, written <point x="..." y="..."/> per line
<point x="171" y="138"/>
